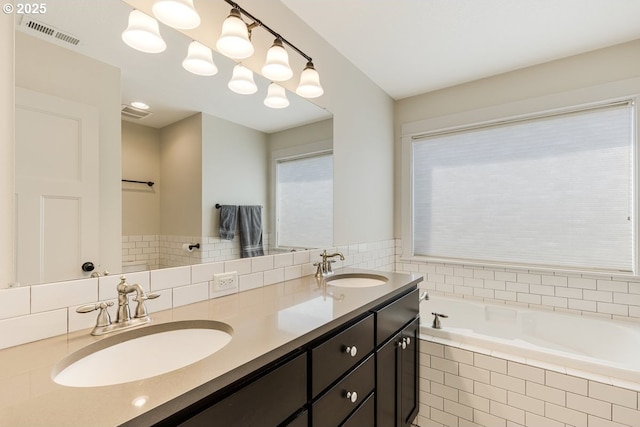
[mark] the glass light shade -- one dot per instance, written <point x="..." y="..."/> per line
<point x="309" y="86"/>
<point x="199" y="60"/>
<point x="276" y="67"/>
<point x="143" y="33"/>
<point x="179" y="14"/>
<point x="276" y="97"/>
<point x="242" y="81"/>
<point x="234" y="38"/>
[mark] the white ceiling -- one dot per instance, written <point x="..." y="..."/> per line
<point x="409" y="47"/>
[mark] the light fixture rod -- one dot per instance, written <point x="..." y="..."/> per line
<point x="259" y="23"/>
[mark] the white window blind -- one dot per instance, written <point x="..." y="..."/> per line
<point x="553" y="191"/>
<point x="304" y="197"/>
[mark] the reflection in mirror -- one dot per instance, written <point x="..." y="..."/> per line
<point x="199" y="143"/>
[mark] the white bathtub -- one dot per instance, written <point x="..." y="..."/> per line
<point x="570" y="342"/>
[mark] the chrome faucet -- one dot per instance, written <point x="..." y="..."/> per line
<point x="324" y="267"/>
<point x="123" y="315"/>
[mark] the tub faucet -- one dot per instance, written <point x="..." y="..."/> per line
<point x="436" y="320"/>
<point x="324" y="267"/>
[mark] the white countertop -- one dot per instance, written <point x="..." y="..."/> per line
<point x="267" y="323"/>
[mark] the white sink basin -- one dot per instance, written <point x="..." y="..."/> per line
<point x="356" y="280"/>
<point x="142" y="353"/>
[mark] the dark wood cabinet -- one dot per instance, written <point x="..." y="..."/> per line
<point x="397" y="367"/>
<point x="337" y="354"/>
<point x="408" y="373"/>
<point x="266" y="401"/>
<point x="361" y="374"/>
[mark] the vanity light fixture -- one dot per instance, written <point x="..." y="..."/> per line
<point x="199" y="60"/>
<point x="309" y="86"/>
<point x="242" y="81"/>
<point x="234" y="41"/>
<point x="179" y="14"/>
<point x="276" y="97"/>
<point x="140" y="105"/>
<point x="277" y="67"/>
<point x="143" y="33"/>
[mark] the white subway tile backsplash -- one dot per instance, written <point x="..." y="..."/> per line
<point x="63" y="294"/>
<point x="565" y="415"/>
<point x="168" y="278"/>
<point x="241" y="266"/>
<point x="260" y="264"/>
<point x="293" y="272"/>
<point x="579" y="282"/>
<point x="615" y="395"/>
<point x="33" y="327"/>
<point x="625" y="415"/>
<point x="15" y="302"/>
<point x="204" y="272"/>
<point x="251" y="281"/>
<point x="525" y="403"/>
<point x="189" y="294"/>
<point x="619" y="309"/>
<point x="507" y="412"/>
<point x="566" y="382"/>
<point x="545" y="393"/>
<point x="588" y="405"/>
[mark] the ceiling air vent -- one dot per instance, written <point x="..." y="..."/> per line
<point x="45" y="31"/>
<point x="134" y="113"/>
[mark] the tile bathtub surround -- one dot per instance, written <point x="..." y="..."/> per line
<point x="47" y="310"/>
<point x="603" y="295"/>
<point x="461" y="387"/>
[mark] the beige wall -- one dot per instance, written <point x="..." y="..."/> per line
<point x="181" y="177"/>
<point x="603" y="74"/>
<point x="234" y="170"/>
<point x="46" y="68"/>
<point x="140" y="162"/>
<point x="6" y="149"/>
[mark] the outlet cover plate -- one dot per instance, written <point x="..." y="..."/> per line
<point x="225" y="281"/>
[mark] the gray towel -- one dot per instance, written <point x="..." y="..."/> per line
<point x="250" y="218"/>
<point x="228" y="220"/>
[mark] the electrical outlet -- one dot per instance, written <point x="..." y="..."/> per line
<point x="225" y="281"/>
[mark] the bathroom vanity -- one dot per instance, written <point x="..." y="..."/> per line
<point x="302" y="354"/>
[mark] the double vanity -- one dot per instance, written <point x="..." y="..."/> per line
<point x="339" y="350"/>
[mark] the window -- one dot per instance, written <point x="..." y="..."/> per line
<point x="304" y="201"/>
<point x="555" y="190"/>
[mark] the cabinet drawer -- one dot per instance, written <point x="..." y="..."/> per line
<point x="391" y="318"/>
<point x="364" y="416"/>
<point x="267" y="401"/>
<point x="330" y="359"/>
<point x="334" y="406"/>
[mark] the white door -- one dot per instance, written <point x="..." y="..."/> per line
<point x="56" y="187"/>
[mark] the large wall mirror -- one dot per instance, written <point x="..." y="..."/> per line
<point x="78" y="138"/>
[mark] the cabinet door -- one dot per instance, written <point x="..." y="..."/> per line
<point x="408" y="378"/>
<point x="397" y="378"/>
<point x="387" y="371"/>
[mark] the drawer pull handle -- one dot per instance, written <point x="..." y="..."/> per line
<point x="352" y="396"/>
<point x="351" y="351"/>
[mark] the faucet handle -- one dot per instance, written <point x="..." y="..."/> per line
<point x="103" y="319"/>
<point x="141" y="309"/>
<point x="93" y="307"/>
